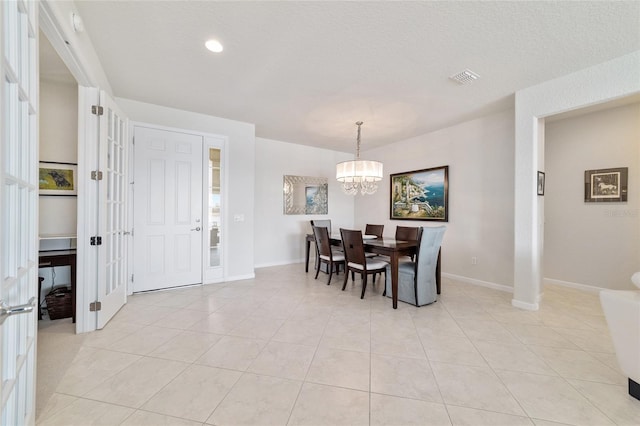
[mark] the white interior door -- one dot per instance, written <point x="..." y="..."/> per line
<point x="112" y="210"/>
<point x="18" y="210"/>
<point x="168" y="209"/>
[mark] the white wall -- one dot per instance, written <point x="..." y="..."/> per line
<point x="594" y="244"/>
<point x="240" y="153"/>
<point x="279" y="238"/>
<point x="601" y="83"/>
<point x="479" y="154"/>
<point x="58" y="123"/>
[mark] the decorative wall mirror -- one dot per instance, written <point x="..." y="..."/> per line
<point x="305" y="195"/>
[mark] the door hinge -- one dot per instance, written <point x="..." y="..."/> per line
<point x="96" y="175"/>
<point x="97" y="110"/>
<point x="96" y="241"/>
<point x="131" y="277"/>
<point x="95" y="306"/>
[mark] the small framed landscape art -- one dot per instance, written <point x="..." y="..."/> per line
<point x="58" y="178"/>
<point x="421" y="195"/>
<point x="540" y="183"/>
<point x="606" y="185"/>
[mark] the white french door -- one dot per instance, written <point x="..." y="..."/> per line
<point x="18" y="210"/>
<point x="168" y="225"/>
<point x="112" y="210"/>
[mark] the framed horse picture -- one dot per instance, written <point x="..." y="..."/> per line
<point x="606" y="185"/>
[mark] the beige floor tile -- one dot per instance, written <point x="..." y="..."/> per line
<point x="84" y="412"/>
<point x="254" y="327"/>
<point x="257" y="400"/>
<point x="450" y="349"/>
<point x="54" y="404"/>
<point x="141" y="314"/>
<point x="319" y="405"/>
<point x="337" y="367"/>
<point x="302" y="332"/>
<point x="134" y="385"/>
<point x="514" y="357"/>
<point x="145" y="418"/>
<point x="112" y="333"/>
<point x="613" y="400"/>
<point x="92" y="367"/>
<point x="576" y="364"/>
<point x="474" y="387"/>
<point x="443" y="325"/>
<point x="340" y="333"/>
<point x="490" y="330"/>
<point x="289" y="308"/>
<point x="182" y="319"/>
<point x="187" y="346"/>
<point x="194" y="393"/>
<point x="402" y="342"/>
<point x="462" y="416"/>
<point x="539" y="335"/>
<point x="218" y="323"/>
<point x="539" y="422"/>
<point x="394" y="411"/>
<point x="552" y="398"/>
<point x="145" y="340"/>
<point x="286" y="360"/>
<point x="404" y="377"/>
<point x="588" y="340"/>
<point x="208" y="304"/>
<point x="236" y="353"/>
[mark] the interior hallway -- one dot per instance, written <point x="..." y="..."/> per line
<point x="284" y="348"/>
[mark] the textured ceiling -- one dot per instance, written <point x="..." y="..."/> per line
<point x="305" y="72"/>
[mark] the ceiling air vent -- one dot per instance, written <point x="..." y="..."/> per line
<point x="465" y="77"/>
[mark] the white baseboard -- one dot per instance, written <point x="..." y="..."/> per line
<point x="481" y="283"/>
<point x="240" y="277"/>
<point x="524" y="305"/>
<point x="583" y="287"/>
<point x="281" y="263"/>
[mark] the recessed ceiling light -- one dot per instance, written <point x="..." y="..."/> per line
<point x="214" y="46"/>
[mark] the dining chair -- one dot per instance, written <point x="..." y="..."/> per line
<point x="356" y="262"/>
<point x="331" y="258"/>
<point x="326" y="223"/>
<point x="417" y="280"/>
<point x="374" y="230"/>
<point x="407" y="233"/>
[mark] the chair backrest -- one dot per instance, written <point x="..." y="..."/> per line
<point x="323" y="245"/>
<point x="407" y="233"/>
<point x="326" y="223"/>
<point x="374" y="230"/>
<point x="427" y="254"/>
<point x="353" y="246"/>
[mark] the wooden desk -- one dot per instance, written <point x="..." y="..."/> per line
<point x="388" y="247"/>
<point x="49" y="259"/>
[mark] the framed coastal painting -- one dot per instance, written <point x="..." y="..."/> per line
<point x="421" y="195"/>
<point x="606" y="185"/>
<point x="58" y="178"/>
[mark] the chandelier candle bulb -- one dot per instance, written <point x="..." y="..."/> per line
<point x="359" y="175"/>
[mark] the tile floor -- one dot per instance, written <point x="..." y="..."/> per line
<point x="284" y="348"/>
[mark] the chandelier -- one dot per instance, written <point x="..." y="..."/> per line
<point x="359" y="175"/>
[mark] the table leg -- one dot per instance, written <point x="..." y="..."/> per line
<point x="394" y="279"/>
<point x="308" y="246"/>
<point x="73" y="287"/>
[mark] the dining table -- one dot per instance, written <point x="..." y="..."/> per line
<point x="390" y="247"/>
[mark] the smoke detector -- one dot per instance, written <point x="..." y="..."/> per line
<point x="465" y="77"/>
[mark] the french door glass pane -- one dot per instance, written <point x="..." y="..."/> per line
<point x="214" y="207"/>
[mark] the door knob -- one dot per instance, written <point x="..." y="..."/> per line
<point x="7" y="311"/>
<point x="196" y="229"/>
